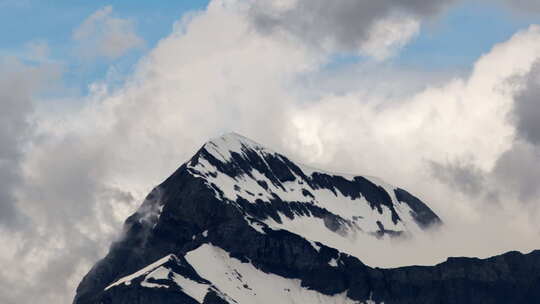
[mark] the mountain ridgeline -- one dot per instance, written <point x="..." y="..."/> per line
<point x="239" y="223"/>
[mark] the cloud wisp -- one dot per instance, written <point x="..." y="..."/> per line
<point x="103" y="35"/>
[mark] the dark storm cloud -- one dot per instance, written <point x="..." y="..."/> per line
<point x="343" y="23"/>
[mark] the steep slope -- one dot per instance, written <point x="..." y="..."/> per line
<point x="239" y="223"/>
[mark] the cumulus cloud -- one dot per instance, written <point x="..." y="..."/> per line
<point x="448" y="143"/>
<point x="519" y="168"/>
<point x="373" y="28"/>
<point x="526" y="110"/>
<point x="450" y="140"/>
<point x="18" y="84"/>
<point x="516" y="171"/>
<point x="13" y="126"/>
<point x="102" y="34"/>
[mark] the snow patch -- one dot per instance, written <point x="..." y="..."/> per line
<point x="160" y="273"/>
<point x="255" y="225"/>
<point x="314" y="245"/>
<point x="144" y="271"/>
<point x="246" y="284"/>
<point x="191" y="288"/>
<point x="357" y="211"/>
<point x="221" y="147"/>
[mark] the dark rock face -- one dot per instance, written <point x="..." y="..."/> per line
<point x="422" y="214"/>
<point x="187" y="211"/>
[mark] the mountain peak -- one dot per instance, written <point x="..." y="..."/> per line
<point x="240" y="224"/>
<point x="221" y="147"/>
<point x="244" y="173"/>
<point x="231" y="140"/>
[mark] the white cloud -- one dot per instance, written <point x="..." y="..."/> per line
<point x="101" y="34"/>
<point x="18" y="85"/>
<point x="387" y="36"/>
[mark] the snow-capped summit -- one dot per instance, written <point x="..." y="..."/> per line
<point x="330" y="206"/>
<point x="240" y="223"/>
<point x="221" y="147"/>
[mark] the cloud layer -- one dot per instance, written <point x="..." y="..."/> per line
<point x="461" y="142"/>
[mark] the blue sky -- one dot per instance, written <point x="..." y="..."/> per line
<point x="452" y="42"/>
<point x="465" y="32"/>
<point x="29" y="21"/>
<point x="26" y="20"/>
<point x="455" y="40"/>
